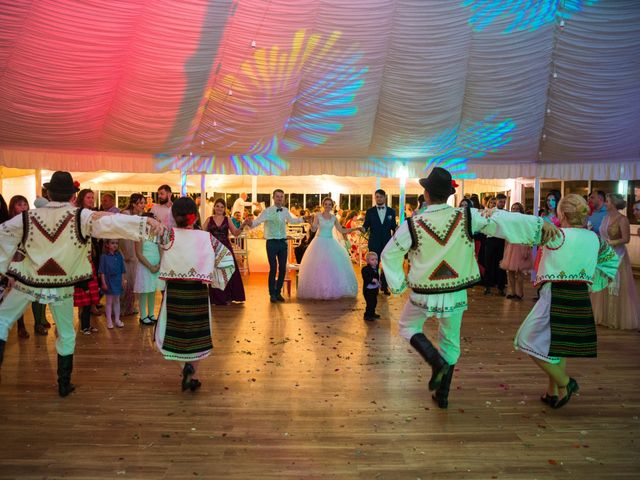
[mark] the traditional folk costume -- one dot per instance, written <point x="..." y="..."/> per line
<point x="441" y="250"/>
<point x="561" y="324"/>
<point x="47" y="250"/>
<point x="193" y="261"/>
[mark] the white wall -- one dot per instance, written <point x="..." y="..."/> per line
<point x="25" y="186"/>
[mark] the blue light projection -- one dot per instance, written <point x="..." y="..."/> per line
<point x="525" y="14"/>
<point x="319" y="109"/>
<point x="452" y="149"/>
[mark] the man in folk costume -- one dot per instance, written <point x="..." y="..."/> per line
<point x="46" y="251"/>
<point x="440" y="246"/>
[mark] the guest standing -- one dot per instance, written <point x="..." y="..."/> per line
<point x="162" y="209"/>
<point x="617" y="306"/>
<point x="112" y="279"/>
<point x="17" y="205"/>
<point x="240" y="203"/>
<point x="597" y="199"/>
<point x="493" y="253"/>
<point x="517" y="262"/>
<point x="87" y="293"/>
<point x="127" y="247"/>
<point x="146" y="281"/>
<point x="219" y="226"/>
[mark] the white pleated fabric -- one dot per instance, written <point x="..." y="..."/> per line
<point x="305" y="87"/>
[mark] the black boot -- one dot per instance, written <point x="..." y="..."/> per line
<point x="442" y="393"/>
<point x="65" y="367"/>
<point x="431" y="355"/>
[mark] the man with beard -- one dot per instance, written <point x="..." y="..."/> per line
<point x="162" y="209"/>
<point x="493" y="253"/>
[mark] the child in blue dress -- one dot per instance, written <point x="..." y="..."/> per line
<point x="112" y="280"/>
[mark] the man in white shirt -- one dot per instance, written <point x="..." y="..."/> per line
<point x="240" y="203"/>
<point x="275" y="219"/>
<point x="162" y="209"/>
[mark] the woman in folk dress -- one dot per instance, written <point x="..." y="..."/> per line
<point x="193" y="260"/>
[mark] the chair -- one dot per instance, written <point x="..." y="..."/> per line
<point x="241" y="252"/>
<point x="292" y="266"/>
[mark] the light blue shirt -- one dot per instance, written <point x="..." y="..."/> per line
<point x="275" y="222"/>
<point x="596" y="219"/>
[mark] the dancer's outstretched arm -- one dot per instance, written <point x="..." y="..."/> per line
<point x="393" y="258"/>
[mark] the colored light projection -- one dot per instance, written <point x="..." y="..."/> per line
<point x="317" y="111"/>
<point x="525" y="14"/>
<point x="451" y="149"/>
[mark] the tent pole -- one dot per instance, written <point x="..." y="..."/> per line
<point x="38" y="185"/>
<point x="183" y="183"/>
<point x="203" y="196"/>
<point x="403" y="194"/>
<point x="254" y="189"/>
<point x="536" y="208"/>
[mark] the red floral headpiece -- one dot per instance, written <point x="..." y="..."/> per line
<point x="191" y="218"/>
<point x="76" y="184"/>
<point x="454" y="184"/>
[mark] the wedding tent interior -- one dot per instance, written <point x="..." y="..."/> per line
<point x="324" y="97"/>
<point x="301" y="93"/>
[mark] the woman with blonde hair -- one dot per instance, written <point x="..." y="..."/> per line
<point x="617" y="306"/>
<point x="561" y="324"/>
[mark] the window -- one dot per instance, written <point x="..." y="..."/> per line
<point x="313" y="200"/>
<point x="264" y="198"/>
<point x="412" y="200"/>
<point x="355" y="202"/>
<point x="607" y="186"/>
<point x="580" y="187"/>
<point x="395" y="202"/>
<point x="296" y="200"/>
<point x="344" y="201"/>
<point x="367" y="202"/>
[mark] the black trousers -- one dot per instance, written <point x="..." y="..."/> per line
<point x="85" y="317"/>
<point x="277" y="252"/>
<point x="383" y="280"/>
<point x="371" y="297"/>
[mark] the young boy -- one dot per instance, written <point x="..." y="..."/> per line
<point x="371" y="285"/>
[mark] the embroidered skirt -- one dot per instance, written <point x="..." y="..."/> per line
<point x="573" y="328"/>
<point x="560" y="325"/>
<point x="183" y="331"/>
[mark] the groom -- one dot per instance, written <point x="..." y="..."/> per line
<point x="275" y="220"/>
<point x="380" y="221"/>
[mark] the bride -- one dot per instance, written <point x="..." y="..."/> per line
<point x="326" y="271"/>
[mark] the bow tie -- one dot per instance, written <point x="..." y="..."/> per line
<point x="278" y="209"/>
<point x="381" y="208"/>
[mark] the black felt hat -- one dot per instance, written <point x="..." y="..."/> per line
<point x="61" y="182"/>
<point x="439" y="183"/>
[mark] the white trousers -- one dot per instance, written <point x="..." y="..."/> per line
<point x="412" y="321"/>
<point x="13" y="306"/>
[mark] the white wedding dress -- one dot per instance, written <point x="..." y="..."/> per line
<point x="326" y="271"/>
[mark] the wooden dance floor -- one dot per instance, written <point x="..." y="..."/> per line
<point x="309" y="390"/>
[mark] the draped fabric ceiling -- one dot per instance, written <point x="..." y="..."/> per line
<point x="300" y="87"/>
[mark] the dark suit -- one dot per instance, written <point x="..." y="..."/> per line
<point x="380" y="233"/>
